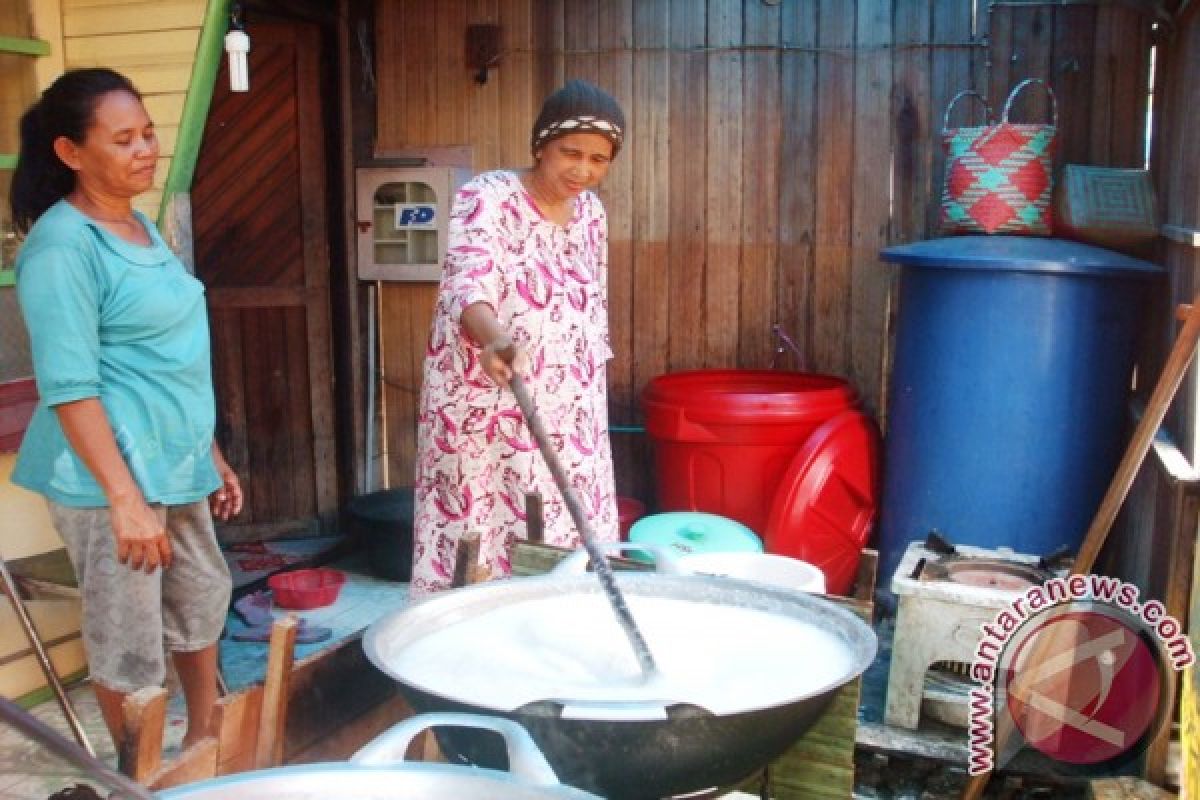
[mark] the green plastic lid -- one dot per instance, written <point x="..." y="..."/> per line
<point x="686" y="532"/>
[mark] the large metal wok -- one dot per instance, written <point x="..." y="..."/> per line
<point x="623" y="749"/>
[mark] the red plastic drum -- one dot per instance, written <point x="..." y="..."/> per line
<point x="724" y="438"/>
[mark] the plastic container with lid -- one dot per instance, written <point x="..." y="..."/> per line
<point x="687" y="532"/>
<point x="1007" y="405"/>
<point x="723" y="438"/>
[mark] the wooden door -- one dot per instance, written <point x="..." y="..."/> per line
<point x="261" y="240"/>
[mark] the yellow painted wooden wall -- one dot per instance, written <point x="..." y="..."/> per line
<point x="153" y="42"/>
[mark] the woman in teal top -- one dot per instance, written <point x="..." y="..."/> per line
<point x="121" y="443"/>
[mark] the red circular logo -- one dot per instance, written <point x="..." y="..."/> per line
<point x="1083" y="687"/>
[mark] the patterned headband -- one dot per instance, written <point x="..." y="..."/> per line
<point x="579" y="124"/>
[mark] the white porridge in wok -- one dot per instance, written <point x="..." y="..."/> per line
<point x="722" y="658"/>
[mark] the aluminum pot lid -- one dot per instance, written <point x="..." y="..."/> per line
<point x="826" y="503"/>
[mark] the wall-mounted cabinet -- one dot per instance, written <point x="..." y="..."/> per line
<point x="403" y="214"/>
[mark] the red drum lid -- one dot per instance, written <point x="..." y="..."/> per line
<point x="826" y="503"/>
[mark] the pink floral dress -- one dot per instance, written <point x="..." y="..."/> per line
<point x="476" y="459"/>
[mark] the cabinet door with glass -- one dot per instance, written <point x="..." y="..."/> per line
<point x="403" y="215"/>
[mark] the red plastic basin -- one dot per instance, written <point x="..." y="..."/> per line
<point x="306" y="588"/>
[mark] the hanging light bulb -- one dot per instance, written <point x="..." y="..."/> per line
<point x="237" y="45"/>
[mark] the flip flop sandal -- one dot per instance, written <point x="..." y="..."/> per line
<point x="255" y="609"/>
<point x="305" y="634"/>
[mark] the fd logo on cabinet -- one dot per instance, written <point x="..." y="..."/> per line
<point x="402" y="218"/>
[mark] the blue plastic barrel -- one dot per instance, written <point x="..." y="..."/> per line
<point x="1007" y="405"/>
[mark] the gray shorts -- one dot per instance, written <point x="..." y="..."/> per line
<point x="128" y="616"/>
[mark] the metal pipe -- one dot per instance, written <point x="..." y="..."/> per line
<point x="373" y="385"/>
<point x="10" y="588"/>
<point x="35" y="729"/>
<point x="384" y="455"/>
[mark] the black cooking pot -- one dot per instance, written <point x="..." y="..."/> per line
<point x="620" y="749"/>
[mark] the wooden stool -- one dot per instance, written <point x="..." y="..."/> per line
<point x="247" y="726"/>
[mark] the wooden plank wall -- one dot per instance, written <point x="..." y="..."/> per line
<point x="1156" y="520"/>
<point x="153" y="42"/>
<point x="774" y="148"/>
<point x="1172" y="533"/>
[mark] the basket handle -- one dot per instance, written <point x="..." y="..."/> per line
<point x="987" y="109"/>
<point x="1017" y="89"/>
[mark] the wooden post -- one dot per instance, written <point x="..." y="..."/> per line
<point x="1177" y="602"/>
<point x="247" y="727"/>
<point x="466" y="564"/>
<point x="140" y="752"/>
<point x="535" y="520"/>
<point x="864" y="579"/>
<point x="268" y="752"/>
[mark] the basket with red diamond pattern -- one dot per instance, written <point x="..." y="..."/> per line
<point x="999" y="177"/>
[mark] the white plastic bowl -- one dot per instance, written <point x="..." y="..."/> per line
<point x="768" y="568"/>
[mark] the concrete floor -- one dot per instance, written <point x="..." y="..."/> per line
<point x="29" y="772"/>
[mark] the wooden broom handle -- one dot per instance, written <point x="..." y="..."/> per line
<point x="1139" y="444"/>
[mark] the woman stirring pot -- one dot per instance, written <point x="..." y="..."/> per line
<point x="121" y="443"/>
<point x="526" y="262"/>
